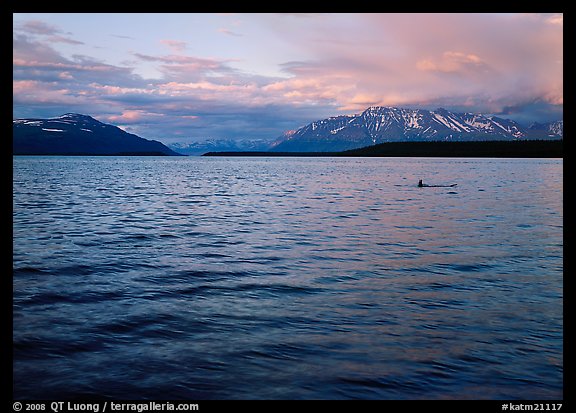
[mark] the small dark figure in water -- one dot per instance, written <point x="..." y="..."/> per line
<point x="421" y="185"/>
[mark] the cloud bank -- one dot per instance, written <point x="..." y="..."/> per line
<point x="507" y="64"/>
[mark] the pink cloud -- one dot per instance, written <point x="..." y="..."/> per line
<point x="20" y="86"/>
<point x="557" y="19"/>
<point x="174" y="45"/>
<point x="128" y="116"/>
<point x="451" y="61"/>
<point x="35" y="92"/>
<point x="419" y="59"/>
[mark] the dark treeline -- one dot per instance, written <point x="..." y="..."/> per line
<point x="280" y="154"/>
<point x="489" y="149"/>
<point x="471" y="149"/>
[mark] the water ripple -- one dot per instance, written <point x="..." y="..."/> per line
<point x="319" y="278"/>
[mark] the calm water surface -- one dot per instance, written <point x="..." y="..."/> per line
<point x="287" y="278"/>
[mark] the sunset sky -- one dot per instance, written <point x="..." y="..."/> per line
<point x="189" y="77"/>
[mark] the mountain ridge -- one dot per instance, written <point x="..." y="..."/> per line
<point x="216" y="145"/>
<point x="78" y="134"/>
<point x="380" y="124"/>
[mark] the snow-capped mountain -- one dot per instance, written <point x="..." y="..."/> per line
<point x="75" y="134"/>
<point x="551" y="130"/>
<point x="390" y="124"/>
<point x="220" y="145"/>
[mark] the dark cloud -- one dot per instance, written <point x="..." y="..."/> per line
<point x="38" y="27"/>
<point x="532" y="111"/>
<point x="50" y="33"/>
<point x="121" y="36"/>
<point x="26" y="49"/>
<point x="37" y="60"/>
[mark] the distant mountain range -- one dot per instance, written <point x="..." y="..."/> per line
<point x="390" y="124"/>
<point x="75" y="134"/>
<point x="220" y="145"/>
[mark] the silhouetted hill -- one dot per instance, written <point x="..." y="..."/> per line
<point x="75" y="134"/>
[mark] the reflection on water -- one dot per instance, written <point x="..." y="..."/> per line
<point x="287" y="278"/>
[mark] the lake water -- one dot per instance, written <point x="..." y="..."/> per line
<point x="287" y="278"/>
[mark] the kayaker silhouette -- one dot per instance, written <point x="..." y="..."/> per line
<point x="421" y="185"/>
